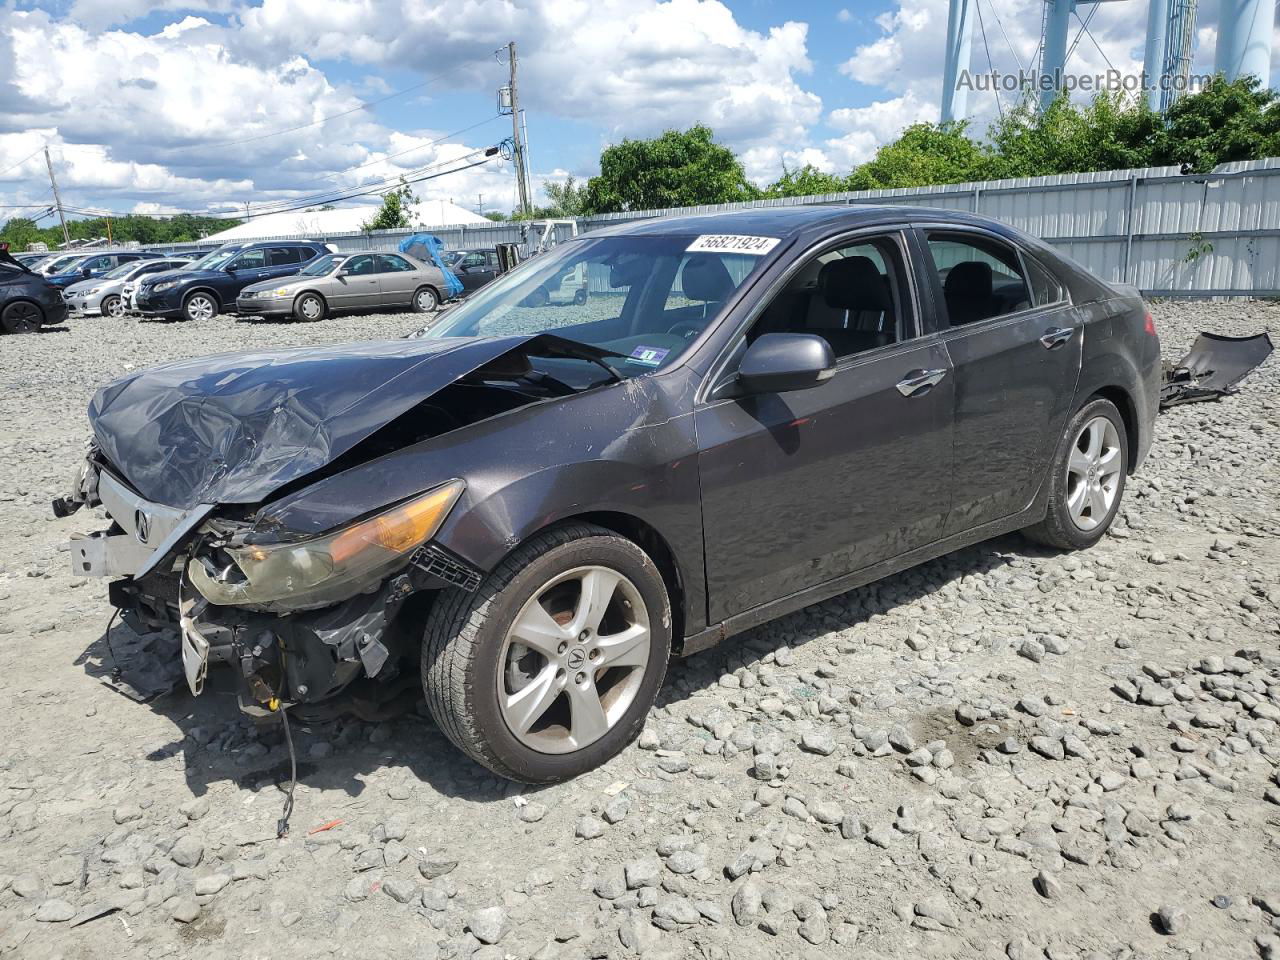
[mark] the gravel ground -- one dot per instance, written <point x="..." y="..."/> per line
<point x="1004" y="752"/>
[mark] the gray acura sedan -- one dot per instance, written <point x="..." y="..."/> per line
<point x="354" y="280"/>
<point x="530" y="506"/>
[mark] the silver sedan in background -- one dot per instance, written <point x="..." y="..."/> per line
<point x="104" y="295"/>
<point x="351" y="280"/>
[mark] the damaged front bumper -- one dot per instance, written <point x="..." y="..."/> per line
<point x="187" y="574"/>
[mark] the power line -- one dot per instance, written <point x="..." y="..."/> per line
<point x="1007" y="42"/>
<point x="21" y="162"/>
<point x="990" y="63"/>
<point x="421" y="146"/>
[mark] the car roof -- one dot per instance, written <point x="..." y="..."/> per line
<point x="787" y="222"/>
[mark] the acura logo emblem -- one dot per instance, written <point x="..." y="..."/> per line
<point x="141" y="526"/>
<point x="577" y="657"/>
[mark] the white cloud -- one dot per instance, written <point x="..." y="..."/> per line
<point x="863" y="129"/>
<point x="844" y="16"/>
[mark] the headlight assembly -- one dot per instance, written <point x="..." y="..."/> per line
<point x="326" y="569"/>
<point x="167" y="285"/>
<point x="282" y="292"/>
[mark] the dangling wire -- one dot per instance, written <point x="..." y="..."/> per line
<point x="282" y="825"/>
<point x="990" y="63"/>
<point x="115" y="661"/>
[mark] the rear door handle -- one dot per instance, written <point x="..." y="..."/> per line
<point x="1056" y="337"/>
<point x="917" y="381"/>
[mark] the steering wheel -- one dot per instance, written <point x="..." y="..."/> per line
<point x="685" y="329"/>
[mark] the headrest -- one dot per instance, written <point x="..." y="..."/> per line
<point x="854" y="283"/>
<point x="707" y="279"/>
<point x="971" y="278"/>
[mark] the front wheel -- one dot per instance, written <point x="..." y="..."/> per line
<point x="1086" y="479"/>
<point x="550" y="668"/>
<point x="309" y="308"/>
<point x="112" y="307"/>
<point x="200" y="306"/>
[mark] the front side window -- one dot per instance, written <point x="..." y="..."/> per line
<point x="981" y="277"/>
<point x="641" y="298"/>
<point x="361" y="265"/>
<point x="473" y="260"/>
<point x="250" y="260"/>
<point x="853" y="296"/>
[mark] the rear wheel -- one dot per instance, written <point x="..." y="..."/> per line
<point x="425" y="300"/>
<point x="550" y="668"/>
<point x="310" y="307"/>
<point x="112" y="307"/>
<point x="200" y="306"/>
<point x="1086" y="480"/>
<point x="21" y="317"/>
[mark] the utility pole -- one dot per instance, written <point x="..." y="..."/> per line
<point x="480" y="204"/>
<point x="57" y="198"/>
<point x="522" y="185"/>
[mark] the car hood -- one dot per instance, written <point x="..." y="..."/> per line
<point x="236" y="427"/>
<point x="80" y="286"/>
<point x="277" y="283"/>
<point x="179" y="274"/>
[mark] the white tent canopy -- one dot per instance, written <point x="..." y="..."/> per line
<point x="307" y="223"/>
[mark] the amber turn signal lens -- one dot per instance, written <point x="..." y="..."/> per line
<point x="400" y="528"/>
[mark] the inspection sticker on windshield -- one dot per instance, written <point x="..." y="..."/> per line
<point x="649" y="356"/>
<point x="732" y="243"/>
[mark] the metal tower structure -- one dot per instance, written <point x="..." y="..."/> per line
<point x="1244" y="47"/>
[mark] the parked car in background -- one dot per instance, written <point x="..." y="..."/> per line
<point x="211" y="284"/>
<point x="533" y="509"/>
<point x="57" y="262"/>
<point x="474" y="268"/>
<point x="355" y="280"/>
<point x="29" y="260"/>
<point x="104" y="295"/>
<point x="28" y="301"/>
<point x="95" y="265"/>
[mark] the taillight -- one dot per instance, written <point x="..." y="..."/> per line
<point x="1150" y="326"/>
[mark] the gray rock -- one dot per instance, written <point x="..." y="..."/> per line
<point x="642" y="873"/>
<point x="195" y="809"/>
<point x="1032" y="650"/>
<point x="684" y="862"/>
<point x="187" y="852"/>
<point x="938" y="910"/>
<point x="399" y="889"/>
<point x="357" y="889"/>
<point x="436" y="866"/>
<point x="1048" y="885"/>
<point x="488" y="925"/>
<point x="820" y="743"/>
<point x="54" y="911"/>
<point x="589" y="828"/>
<point x="185" y="909"/>
<point x="1173" y="920"/>
<point x="532" y="812"/>
<point x="207" y="886"/>
<point x="678" y="911"/>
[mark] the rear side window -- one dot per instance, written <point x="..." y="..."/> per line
<point x="389" y="263"/>
<point x="981" y="277"/>
<point x="1045" y="288"/>
<point x="282" y="256"/>
<point x="154" y="266"/>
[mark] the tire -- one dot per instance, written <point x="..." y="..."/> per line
<point x="1085" y="490"/>
<point x="200" y="306"/>
<point x="580" y="297"/>
<point x="112" y="307"/>
<point x="310" y="308"/>
<point x="425" y="300"/>
<point x="538" y="298"/>
<point x="21" y="316"/>
<point x="472" y="663"/>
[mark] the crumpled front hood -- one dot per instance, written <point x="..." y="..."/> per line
<point x="235" y="427"/>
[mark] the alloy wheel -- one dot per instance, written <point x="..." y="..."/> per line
<point x="573" y="659"/>
<point x="113" y="307"/>
<point x="200" y="307"/>
<point x="1093" y="473"/>
<point x="22" y="317"/>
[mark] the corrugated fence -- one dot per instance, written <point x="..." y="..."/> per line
<point x="1168" y="233"/>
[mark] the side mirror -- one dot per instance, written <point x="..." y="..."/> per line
<point x="344" y="272"/>
<point x="229" y="268"/>
<point x="780" y="362"/>
<point x="85" y="272"/>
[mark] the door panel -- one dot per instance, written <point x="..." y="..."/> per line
<point x="397" y="281"/>
<point x="1015" y="366"/>
<point x="802" y="487"/>
<point x="359" y="289"/>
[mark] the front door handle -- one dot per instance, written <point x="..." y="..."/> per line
<point x="1056" y="337"/>
<point x="918" y="381"/>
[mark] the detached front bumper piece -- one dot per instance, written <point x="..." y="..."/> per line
<point x="1213" y="368"/>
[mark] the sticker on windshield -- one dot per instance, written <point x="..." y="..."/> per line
<point x="732" y="243"/>
<point x="649" y="356"/>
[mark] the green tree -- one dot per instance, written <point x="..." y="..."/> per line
<point x="805" y="182"/>
<point x="1219" y="124"/>
<point x="567" y="199"/>
<point x="396" y="211"/>
<point x="677" y="169"/>
<point x="926" y="153"/>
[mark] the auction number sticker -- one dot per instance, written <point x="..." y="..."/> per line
<point x="733" y="243"/>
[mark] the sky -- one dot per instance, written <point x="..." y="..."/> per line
<point x="156" y="106"/>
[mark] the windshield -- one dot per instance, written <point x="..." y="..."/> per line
<point x="61" y="263"/>
<point x="321" y="265"/>
<point x="643" y="299"/>
<point x="215" y="260"/>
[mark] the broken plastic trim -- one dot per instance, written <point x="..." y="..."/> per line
<point x="1213" y="368"/>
